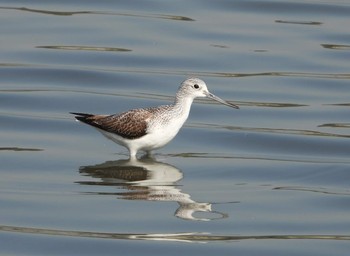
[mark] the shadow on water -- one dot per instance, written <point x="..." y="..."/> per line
<point x="149" y="180"/>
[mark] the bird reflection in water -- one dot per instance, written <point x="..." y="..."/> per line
<point x="150" y="180"/>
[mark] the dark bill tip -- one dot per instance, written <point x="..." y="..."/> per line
<point x="224" y="102"/>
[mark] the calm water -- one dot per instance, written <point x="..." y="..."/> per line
<point x="269" y="179"/>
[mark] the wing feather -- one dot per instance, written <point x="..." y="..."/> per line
<point x="131" y="124"/>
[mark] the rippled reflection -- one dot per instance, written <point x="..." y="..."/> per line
<point x="149" y="180"/>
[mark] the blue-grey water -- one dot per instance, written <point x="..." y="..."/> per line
<point x="272" y="178"/>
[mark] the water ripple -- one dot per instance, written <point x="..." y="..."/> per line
<point x="267" y="157"/>
<point x="336" y="46"/>
<point x="84" y="48"/>
<point x="173" y="237"/>
<point x="19" y="149"/>
<point x="274" y="130"/>
<point x="183" y="73"/>
<point x="61" y="13"/>
<point x="295" y="22"/>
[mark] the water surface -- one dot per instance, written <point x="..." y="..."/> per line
<point x="271" y="178"/>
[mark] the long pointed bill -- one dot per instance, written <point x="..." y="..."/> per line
<point x="213" y="97"/>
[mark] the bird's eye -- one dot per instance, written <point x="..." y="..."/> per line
<point x="196" y="86"/>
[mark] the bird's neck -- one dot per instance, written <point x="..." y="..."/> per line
<point x="183" y="104"/>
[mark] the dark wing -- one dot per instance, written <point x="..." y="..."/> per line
<point x="131" y="124"/>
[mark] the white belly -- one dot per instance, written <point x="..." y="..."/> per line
<point x="159" y="132"/>
<point x="157" y="137"/>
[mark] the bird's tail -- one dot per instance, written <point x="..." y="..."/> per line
<point x="81" y="116"/>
